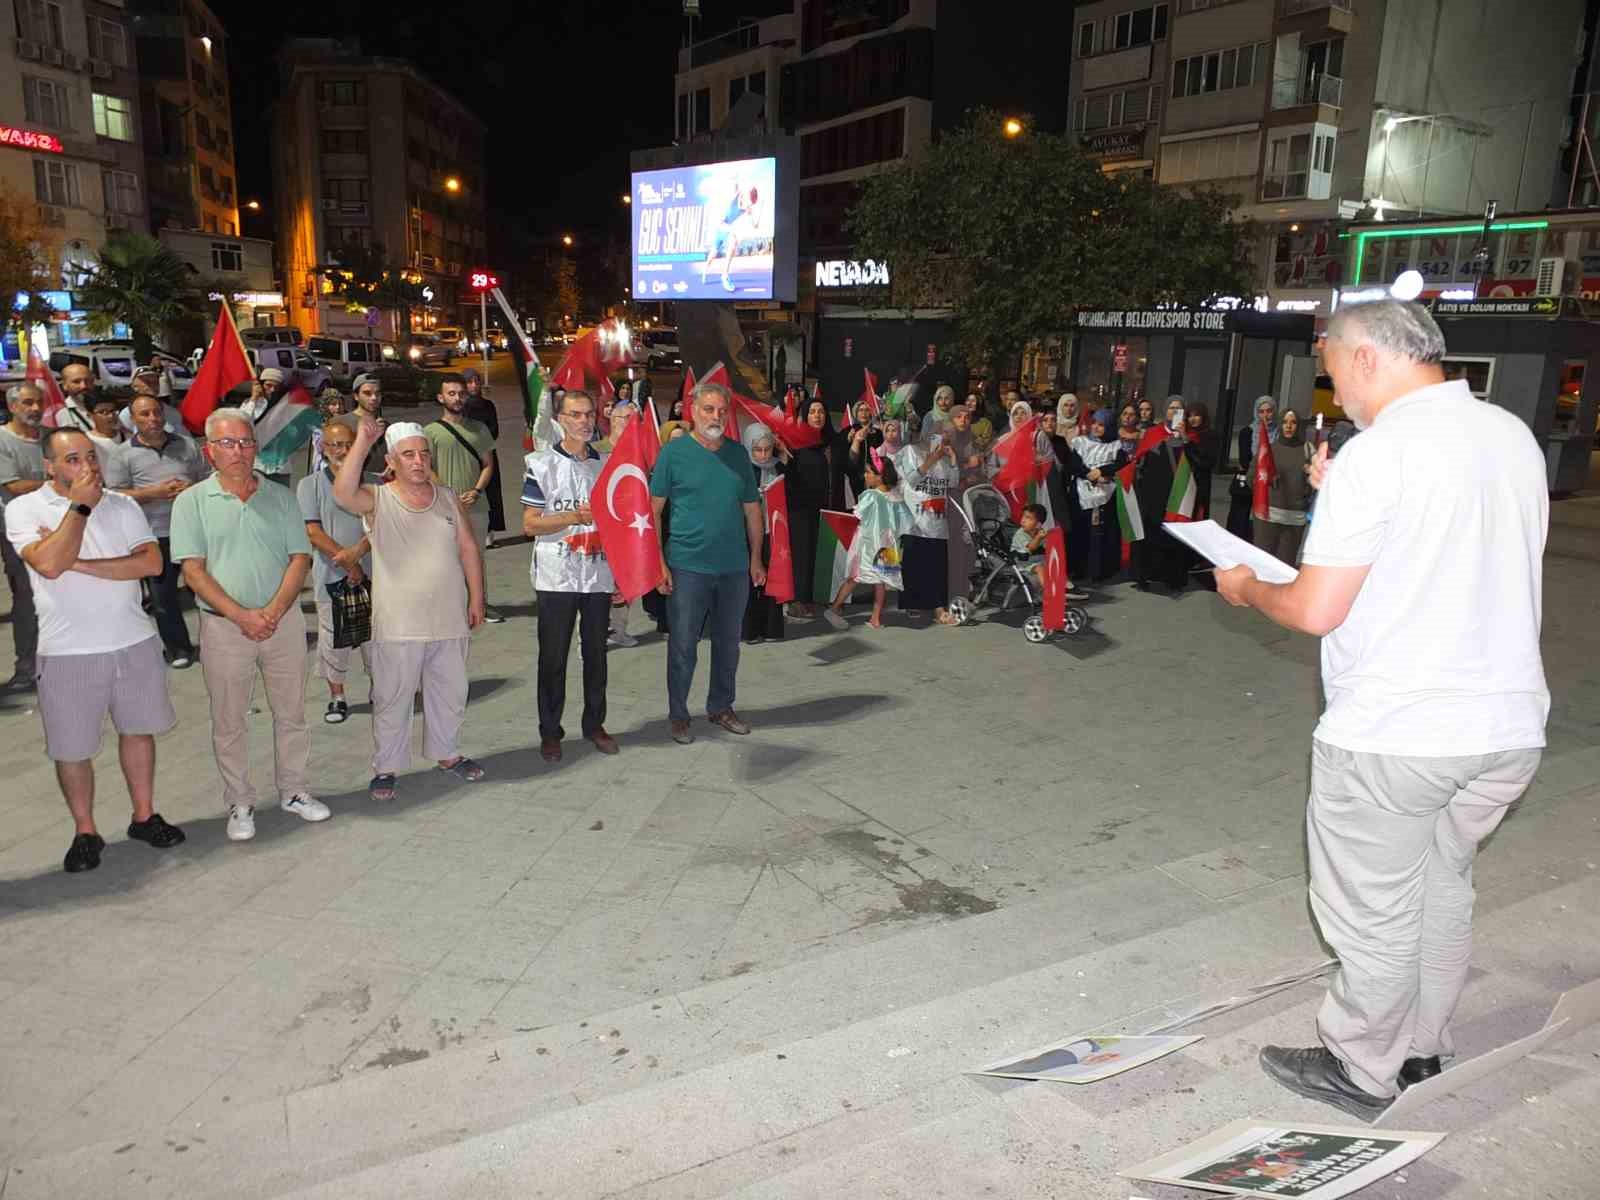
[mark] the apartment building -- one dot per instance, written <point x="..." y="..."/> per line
<point x="369" y="151"/>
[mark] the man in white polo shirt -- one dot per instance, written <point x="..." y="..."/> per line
<point x="1423" y="576"/>
<point x="86" y="550"/>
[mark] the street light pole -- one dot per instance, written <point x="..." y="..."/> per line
<point x="483" y="328"/>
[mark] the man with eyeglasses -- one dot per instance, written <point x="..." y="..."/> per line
<point x="571" y="577"/>
<point x="245" y="555"/>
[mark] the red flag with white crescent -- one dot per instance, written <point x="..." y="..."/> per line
<point x="1015" y="452"/>
<point x="686" y="393"/>
<point x="40" y="375"/>
<point x="1266" y="470"/>
<point x="623" y="515"/>
<point x="780" y="561"/>
<point x="224" y="368"/>
<point x="1054" y="615"/>
<point x="796" y="435"/>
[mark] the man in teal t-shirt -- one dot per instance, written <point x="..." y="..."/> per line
<point x="712" y="556"/>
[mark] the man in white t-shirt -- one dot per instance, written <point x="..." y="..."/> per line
<point x="86" y="551"/>
<point x="1422" y="575"/>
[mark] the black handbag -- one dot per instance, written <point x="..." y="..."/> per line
<point x="352" y="613"/>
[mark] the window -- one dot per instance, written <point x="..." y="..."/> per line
<point x="41" y="22"/>
<point x="1132" y="106"/>
<point x="1288" y="167"/>
<point x="225" y="186"/>
<point x="209" y="225"/>
<point x="208" y="176"/>
<point x="1217" y="71"/>
<point x="227" y="256"/>
<point x="113" y="117"/>
<point x="758" y="82"/>
<point x="108" y="41"/>
<point x="683" y="115"/>
<point x="121" y="191"/>
<point x="358" y="352"/>
<point x="1227" y="156"/>
<point x="735" y="90"/>
<point x="55" y="182"/>
<point x="345" y="191"/>
<point x="1086" y="39"/>
<point x="702" y="111"/>
<point x="343" y="92"/>
<point x="874" y="139"/>
<point x="227" y="228"/>
<point x="46" y="103"/>
<point x="1137" y="28"/>
<point x="344" y="141"/>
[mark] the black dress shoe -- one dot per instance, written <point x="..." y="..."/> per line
<point x="1415" y="1070"/>
<point x="156" y="832"/>
<point x="84" y="853"/>
<point x="1318" y="1074"/>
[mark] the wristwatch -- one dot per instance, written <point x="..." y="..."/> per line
<point x="83" y="510"/>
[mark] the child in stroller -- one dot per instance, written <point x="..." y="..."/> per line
<point x="988" y="519"/>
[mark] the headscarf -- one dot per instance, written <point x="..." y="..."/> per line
<point x="1107" y="421"/>
<point x="1255" y="423"/>
<point x="668" y="428"/>
<point x="1021" y="414"/>
<point x="1069" y="425"/>
<point x="750" y="435"/>
<point x="1282" y="438"/>
<point x="965" y="446"/>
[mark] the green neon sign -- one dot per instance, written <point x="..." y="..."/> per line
<point x="1496" y="227"/>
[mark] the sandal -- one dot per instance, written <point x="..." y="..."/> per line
<point x="381" y="788"/>
<point x="464" y="768"/>
<point x="338" y="712"/>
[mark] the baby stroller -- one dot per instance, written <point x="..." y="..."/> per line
<point x="1001" y="572"/>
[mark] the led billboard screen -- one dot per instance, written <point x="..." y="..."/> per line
<point x="707" y="232"/>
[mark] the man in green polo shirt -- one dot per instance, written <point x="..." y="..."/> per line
<point x="711" y="558"/>
<point x="463" y="460"/>
<point x="245" y="554"/>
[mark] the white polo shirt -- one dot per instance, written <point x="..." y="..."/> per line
<point x="1444" y="496"/>
<point x="78" y="613"/>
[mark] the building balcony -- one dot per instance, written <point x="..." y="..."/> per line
<point x="1286" y="185"/>
<point x="1315" y="16"/>
<point x="1298" y="93"/>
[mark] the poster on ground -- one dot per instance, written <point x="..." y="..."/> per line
<point x="1257" y="1158"/>
<point x="1086" y="1058"/>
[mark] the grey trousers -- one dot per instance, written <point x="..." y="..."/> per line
<point x="1391" y="842"/>
<point x="439" y="669"/>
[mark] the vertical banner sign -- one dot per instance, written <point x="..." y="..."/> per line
<point x="1119" y="358"/>
<point x="849" y="346"/>
<point x="933" y="354"/>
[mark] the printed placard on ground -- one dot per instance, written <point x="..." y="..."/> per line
<point x="1260" y="1158"/>
<point x="1418" y="1095"/>
<point x="1086" y="1058"/>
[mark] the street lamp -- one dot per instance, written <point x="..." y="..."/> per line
<point x="253" y="205"/>
<point x="452" y="184"/>
<point x="566" y="239"/>
<point x="626" y="198"/>
<point x="1012" y="127"/>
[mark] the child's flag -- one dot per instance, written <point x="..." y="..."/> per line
<point x="285" y="427"/>
<point x="627" y="532"/>
<point x="1266" y="474"/>
<point x="1180" y="500"/>
<point x="1055" y="580"/>
<point x="835" y="532"/>
<point x="870" y="394"/>
<point x="1128" y="512"/>
<point x="224" y="368"/>
<point x="780" y="560"/>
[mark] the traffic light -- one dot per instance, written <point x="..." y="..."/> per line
<point x="481" y="280"/>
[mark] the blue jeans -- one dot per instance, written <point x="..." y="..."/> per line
<point x="695" y="595"/>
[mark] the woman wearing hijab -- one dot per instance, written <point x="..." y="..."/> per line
<point x="810" y="487"/>
<point x="928" y="472"/>
<point x="944" y="403"/>
<point x="1241" y="492"/>
<point x="763" y="618"/>
<point x="1202" y="454"/>
<point x="972" y="467"/>
<point x="1146" y="410"/>
<point x="1094" y="543"/>
<point x="481" y="408"/>
<point x="1072" y="420"/>
<point x="859" y="440"/>
<point x="1158" y="556"/>
<point x="1128" y="429"/>
<point x="1289" y="496"/>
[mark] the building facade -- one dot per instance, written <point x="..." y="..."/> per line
<point x="1315" y="112"/>
<point x="238" y="269"/>
<point x="187" y="116"/>
<point x="713" y="74"/>
<point x="69" y="121"/>
<point x="368" y="152"/>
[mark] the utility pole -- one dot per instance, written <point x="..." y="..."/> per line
<point x="1481" y="255"/>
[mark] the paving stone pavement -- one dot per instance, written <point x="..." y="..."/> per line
<point x="1146" y="778"/>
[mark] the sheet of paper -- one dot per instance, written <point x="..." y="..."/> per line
<point x="1086" y="1058"/>
<point x="1222" y="548"/>
<point x="1419" y="1095"/>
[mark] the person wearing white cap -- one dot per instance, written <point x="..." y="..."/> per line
<point x="366" y="390"/>
<point x="427" y="597"/>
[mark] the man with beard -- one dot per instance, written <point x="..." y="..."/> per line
<point x="463" y="460"/>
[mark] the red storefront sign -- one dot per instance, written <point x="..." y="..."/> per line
<point x="30" y="139"/>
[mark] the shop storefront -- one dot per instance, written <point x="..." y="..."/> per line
<point x="1205" y="355"/>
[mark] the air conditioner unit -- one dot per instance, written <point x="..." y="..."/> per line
<point x="52" y="56"/>
<point x="31" y="51"/>
<point x="49" y="214"/>
<point x="1548" y="280"/>
<point x="100" y="68"/>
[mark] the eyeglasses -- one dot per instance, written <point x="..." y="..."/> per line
<point x="234" y="443"/>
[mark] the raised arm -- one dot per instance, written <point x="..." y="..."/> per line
<point x="348" y="491"/>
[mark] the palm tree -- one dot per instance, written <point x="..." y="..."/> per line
<point x="139" y="283"/>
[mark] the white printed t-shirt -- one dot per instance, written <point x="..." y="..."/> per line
<point x="570" y="559"/>
<point x="78" y="613"/>
<point x="1444" y="496"/>
<point x="926" y="495"/>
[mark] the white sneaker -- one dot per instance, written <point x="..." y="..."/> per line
<point x="625" y="640"/>
<point x="241" y="823"/>
<point x="306" y="806"/>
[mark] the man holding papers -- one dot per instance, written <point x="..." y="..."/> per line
<point x="1422" y="575"/>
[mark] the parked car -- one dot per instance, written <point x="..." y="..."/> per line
<point x="452" y="337"/>
<point x="283" y="335"/>
<point x="295" y="364"/>
<point x="346" y="357"/>
<point x="425" y="350"/>
<point x="657" y="349"/>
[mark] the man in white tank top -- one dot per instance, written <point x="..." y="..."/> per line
<point x="427" y="597"/>
<point x="1423" y="577"/>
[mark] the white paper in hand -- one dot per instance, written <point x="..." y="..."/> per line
<point x="1225" y="550"/>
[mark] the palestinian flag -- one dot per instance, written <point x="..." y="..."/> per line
<point x="284" y="428"/>
<point x="1180" y="500"/>
<point x="530" y="378"/>
<point x="1128" y="512"/>
<point x="835" y="532"/>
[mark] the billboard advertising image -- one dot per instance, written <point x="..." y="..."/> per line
<point x="705" y="232"/>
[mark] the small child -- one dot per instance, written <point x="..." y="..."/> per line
<point x="875" y="551"/>
<point x="1028" y="542"/>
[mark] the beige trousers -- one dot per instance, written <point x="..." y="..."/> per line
<point x="399" y="669"/>
<point x="333" y="663"/>
<point x="229" y="661"/>
<point x="1391" y="842"/>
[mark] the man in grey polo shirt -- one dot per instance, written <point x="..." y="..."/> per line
<point x="21" y="472"/>
<point x="160" y="466"/>
<point x="245" y="555"/>
<point x="343" y="555"/>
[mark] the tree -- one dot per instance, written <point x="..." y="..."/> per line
<point x="28" y="261"/>
<point x="139" y="283"/>
<point x="565" y="296"/>
<point x="363" y="277"/>
<point x="1016" y="233"/>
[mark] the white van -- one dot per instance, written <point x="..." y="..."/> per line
<point x="346" y="357"/>
<point x="295" y="364"/>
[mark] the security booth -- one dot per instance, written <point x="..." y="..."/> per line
<point x="1214" y="356"/>
<point x="1539" y="357"/>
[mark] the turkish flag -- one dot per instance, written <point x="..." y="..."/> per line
<point x="796" y="435"/>
<point x="40" y="375"/>
<point x="1017" y="464"/>
<point x="686" y="395"/>
<point x="224" y="368"/>
<point x="1055" y="580"/>
<point x="870" y="395"/>
<point x="780" y="562"/>
<point x="1266" y="471"/>
<point x="623" y="515"/>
